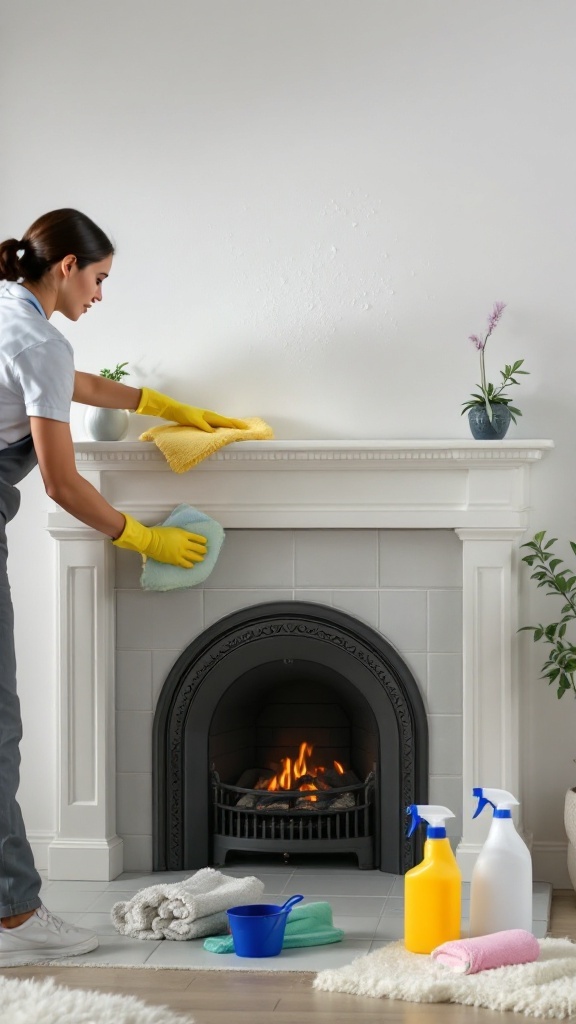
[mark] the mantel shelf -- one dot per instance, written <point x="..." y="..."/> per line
<point x="120" y="454"/>
<point x="310" y="484"/>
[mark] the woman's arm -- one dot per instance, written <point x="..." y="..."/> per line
<point x="109" y="394"/>
<point x="90" y="389"/>
<point x="63" y="483"/>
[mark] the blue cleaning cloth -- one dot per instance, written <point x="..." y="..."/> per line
<point x="160" y="576"/>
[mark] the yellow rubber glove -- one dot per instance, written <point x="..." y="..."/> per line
<point x="152" y="403"/>
<point x="164" y="543"/>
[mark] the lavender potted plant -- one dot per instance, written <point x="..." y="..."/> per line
<point x="489" y="409"/>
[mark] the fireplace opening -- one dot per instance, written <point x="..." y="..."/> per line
<point x="274" y="791"/>
<point x="288" y="728"/>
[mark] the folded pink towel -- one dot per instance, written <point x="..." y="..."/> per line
<point x="500" y="949"/>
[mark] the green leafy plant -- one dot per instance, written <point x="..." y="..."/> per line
<point x="491" y="394"/>
<point x="117" y="373"/>
<point x="560" y="666"/>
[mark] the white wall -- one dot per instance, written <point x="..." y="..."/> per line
<point x="314" y="202"/>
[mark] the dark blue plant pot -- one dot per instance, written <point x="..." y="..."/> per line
<point x="481" y="427"/>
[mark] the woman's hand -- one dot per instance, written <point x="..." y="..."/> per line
<point x="164" y="543"/>
<point x="152" y="403"/>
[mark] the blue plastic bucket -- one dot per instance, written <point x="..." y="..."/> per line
<point x="258" y="928"/>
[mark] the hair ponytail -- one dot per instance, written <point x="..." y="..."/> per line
<point x="48" y="240"/>
<point x="9" y="261"/>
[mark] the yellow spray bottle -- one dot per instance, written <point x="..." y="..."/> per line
<point x="432" y="889"/>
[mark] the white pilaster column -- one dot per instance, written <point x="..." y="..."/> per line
<point x="86" y="845"/>
<point x="490" y="677"/>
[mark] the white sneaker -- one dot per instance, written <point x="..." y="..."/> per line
<point x="43" y="937"/>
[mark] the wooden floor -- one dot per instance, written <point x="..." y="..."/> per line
<point x="235" y="997"/>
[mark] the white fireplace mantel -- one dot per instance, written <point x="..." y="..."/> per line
<point x="480" y="489"/>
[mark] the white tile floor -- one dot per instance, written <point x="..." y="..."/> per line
<point x="367" y="905"/>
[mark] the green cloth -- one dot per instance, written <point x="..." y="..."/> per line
<point x="309" y="925"/>
<point x="160" y="576"/>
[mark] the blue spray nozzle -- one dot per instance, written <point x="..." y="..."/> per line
<point x="434" y="815"/>
<point x="499" y="799"/>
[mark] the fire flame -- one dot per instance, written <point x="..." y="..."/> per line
<point x="294" y="769"/>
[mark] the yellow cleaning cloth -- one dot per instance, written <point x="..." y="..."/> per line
<point x="185" y="447"/>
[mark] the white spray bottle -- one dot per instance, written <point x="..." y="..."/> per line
<point x="501" y="890"/>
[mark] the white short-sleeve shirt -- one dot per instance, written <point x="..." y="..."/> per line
<point x="36" y="365"/>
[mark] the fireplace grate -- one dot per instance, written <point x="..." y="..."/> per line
<point x="297" y="829"/>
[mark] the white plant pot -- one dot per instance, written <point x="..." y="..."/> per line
<point x="570" y="826"/>
<point x="106" y="424"/>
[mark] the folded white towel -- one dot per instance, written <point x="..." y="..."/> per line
<point x="185" y="910"/>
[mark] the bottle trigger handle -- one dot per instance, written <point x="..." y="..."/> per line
<point x="415" y="819"/>
<point x="482" y="801"/>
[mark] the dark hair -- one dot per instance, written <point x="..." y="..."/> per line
<point x="50" y="238"/>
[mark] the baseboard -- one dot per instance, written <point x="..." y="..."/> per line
<point x="548" y="859"/>
<point x="549" y="864"/>
<point x="40" y="841"/>
<point x="81" y="859"/>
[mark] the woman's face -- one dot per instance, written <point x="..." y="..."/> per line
<point x="79" y="289"/>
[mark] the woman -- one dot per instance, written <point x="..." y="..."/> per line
<point x="59" y="265"/>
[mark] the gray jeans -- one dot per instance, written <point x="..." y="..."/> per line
<point x="19" y="881"/>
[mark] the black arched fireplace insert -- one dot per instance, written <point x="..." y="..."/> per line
<point x="250" y="694"/>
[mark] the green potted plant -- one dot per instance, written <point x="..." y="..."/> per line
<point x="108" y="424"/>
<point x="559" y="669"/>
<point x="117" y="373"/>
<point x="489" y="409"/>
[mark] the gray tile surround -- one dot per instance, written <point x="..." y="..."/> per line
<point x="406" y="583"/>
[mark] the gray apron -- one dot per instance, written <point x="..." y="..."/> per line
<point x="16" y="462"/>
<point x="19" y="880"/>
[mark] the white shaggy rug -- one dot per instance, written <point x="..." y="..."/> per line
<point x="30" y="1002"/>
<point x="546" y="988"/>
